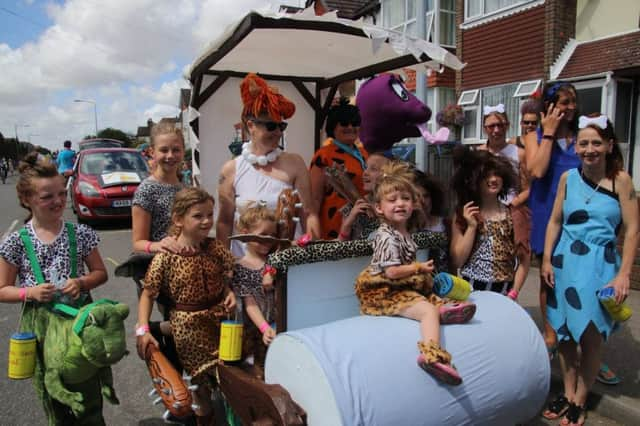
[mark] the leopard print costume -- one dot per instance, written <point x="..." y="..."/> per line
<point x="379" y="295"/>
<point x="200" y="279"/>
<point x="492" y="257"/>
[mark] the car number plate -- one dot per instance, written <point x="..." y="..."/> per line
<point x="121" y="203"/>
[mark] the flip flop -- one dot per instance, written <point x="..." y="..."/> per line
<point x="442" y="372"/>
<point x="606" y="376"/>
<point x="457" y="313"/>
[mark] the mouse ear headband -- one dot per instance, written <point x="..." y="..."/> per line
<point x="260" y="98"/>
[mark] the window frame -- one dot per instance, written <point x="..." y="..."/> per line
<point x="474" y="99"/>
<point x="484" y="14"/>
<point x="517" y="93"/>
<point x="430" y="20"/>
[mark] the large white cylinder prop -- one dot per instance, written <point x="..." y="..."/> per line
<point x="363" y="371"/>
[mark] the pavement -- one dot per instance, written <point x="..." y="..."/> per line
<point x="620" y="403"/>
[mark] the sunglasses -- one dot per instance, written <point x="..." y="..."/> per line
<point x="529" y="123"/>
<point x="354" y="123"/>
<point x="494" y="125"/>
<point x="272" y="125"/>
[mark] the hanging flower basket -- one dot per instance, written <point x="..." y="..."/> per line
<point x="451" y="116"/>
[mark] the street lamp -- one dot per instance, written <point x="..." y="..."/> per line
<point x="95" y="110"/>
<point x="15" y="126"/>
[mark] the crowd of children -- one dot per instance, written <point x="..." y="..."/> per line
<point x="198" y="282"/>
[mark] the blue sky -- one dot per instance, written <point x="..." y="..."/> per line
<point x="126" y="55"/>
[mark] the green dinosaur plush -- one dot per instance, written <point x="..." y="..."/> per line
<point x="74" y="365"/>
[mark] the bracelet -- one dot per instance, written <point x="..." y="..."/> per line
<point x="81" y="283"/>
<point x="269" y="270"/>
<point x="550" y="137"/>
<point x="303" y="240"/>
<point x="263" y="327"/>
<point x="23" y="294"/>
<point x="147" y="248"/>
<point x="417" y="265"/>
<point x="142" y="330"/>
<point x="513" y="294"/>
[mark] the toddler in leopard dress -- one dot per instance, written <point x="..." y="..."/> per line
<point x="395" y="284"/>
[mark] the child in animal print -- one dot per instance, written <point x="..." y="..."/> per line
<point x="395" y="284"/>
<point x="197" y="286"/>
<point x="253" y="281"/>
<point x="49" y="273"/>
<point x="483" y="238"/>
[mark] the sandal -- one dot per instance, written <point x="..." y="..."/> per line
<point x="443" y="372"/>
<point x="457" y="313"/>
<point x="606" y="376"/>
<point x="437" y="362"/>
<point x="572" y="418"/>
<point x="556" y="408"/>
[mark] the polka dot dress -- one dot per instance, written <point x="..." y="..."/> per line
<point x="584" y="260"/>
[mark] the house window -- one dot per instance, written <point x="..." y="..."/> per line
<point x="479" y="8"/>
<point x="468" y="97"/>
<point x="400" y="15"/>
<point x="526" y="88"/>
<point x="473" y="102"/>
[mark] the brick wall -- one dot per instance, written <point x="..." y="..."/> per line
<point x="560" y="26"/>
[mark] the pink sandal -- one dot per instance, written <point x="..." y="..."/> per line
<point x="457" y="313"/>
<point x="442" y="372"/>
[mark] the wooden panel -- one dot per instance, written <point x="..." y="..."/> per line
<point x="504" y="51"/>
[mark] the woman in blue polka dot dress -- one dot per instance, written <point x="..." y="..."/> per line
<point x="592" y="202"/>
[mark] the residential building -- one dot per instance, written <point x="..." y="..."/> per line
<point x="512" y="47"/>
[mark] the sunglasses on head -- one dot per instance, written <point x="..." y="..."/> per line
<point x="529" y="123"/>
<point x="272" y="125"/>
<point x="354" y="123"/>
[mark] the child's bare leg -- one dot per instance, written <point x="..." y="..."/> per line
<point x="429" y="317"/>
<point x="433" y="359"/>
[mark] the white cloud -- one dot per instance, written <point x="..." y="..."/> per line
<point x="128" y="56"/>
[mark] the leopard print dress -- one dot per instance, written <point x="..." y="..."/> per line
<point x="193" y="280"/>
<point x="379" y="295"/>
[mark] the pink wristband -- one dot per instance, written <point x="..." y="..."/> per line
<point x="147" y="248"/>
<point x="303" y="240"/>
<point x="263" y="327"/>
<point x="23" y="294"/>
<point x="513" y="294"/>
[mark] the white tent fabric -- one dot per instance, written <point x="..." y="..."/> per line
<point x="320" y="54"/>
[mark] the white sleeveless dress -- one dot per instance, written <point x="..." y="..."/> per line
<point x="252" y="186"/>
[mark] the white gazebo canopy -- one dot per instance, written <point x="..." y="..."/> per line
<point x="307" y="57"/>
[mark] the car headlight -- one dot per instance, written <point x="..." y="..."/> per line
<point x="88" y="190"/>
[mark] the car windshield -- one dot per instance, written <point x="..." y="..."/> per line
<point x="99" y="144"/>
<point x="105" y="162"/>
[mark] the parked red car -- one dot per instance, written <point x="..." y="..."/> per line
<point x="104" y="181"/>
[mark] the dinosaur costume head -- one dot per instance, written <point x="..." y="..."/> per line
<point x="389" y="113"/>
<point x="102" y="333"/>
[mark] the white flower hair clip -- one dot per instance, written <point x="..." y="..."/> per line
<point x="600" y="121"/>
<point x="488" y="109"/>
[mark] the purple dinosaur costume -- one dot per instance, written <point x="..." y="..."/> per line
<point x="389" y="113"/>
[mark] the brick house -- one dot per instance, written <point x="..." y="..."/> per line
<point x="512" y="47"/>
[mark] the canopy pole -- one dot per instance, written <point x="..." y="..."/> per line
<point x="422" y="159"/>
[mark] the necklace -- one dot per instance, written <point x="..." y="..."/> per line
<point x="589" y="196"/>
<point x="261" y="160"/>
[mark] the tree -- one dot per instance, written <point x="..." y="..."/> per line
<point x="111" y="133"/>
